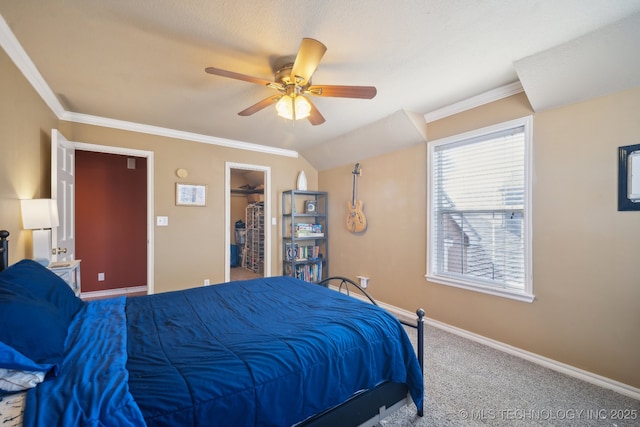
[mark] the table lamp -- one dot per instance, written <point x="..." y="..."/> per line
<point x="40" y="215"/>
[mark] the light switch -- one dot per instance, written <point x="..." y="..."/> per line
<point x="162" y="221"/>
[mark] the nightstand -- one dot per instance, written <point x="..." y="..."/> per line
<point x="69" y="271"/>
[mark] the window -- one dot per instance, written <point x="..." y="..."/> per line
<point x="479" y="225"/>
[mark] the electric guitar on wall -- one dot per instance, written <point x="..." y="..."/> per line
<point x="356" y="222"/>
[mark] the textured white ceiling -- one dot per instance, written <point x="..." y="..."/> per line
<point x="143" y="61"/>
<point x="604" y="61"/>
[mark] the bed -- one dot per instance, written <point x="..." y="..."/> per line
<point x="262" y="352"/>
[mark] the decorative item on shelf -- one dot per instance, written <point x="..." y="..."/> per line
<point x="291" y="251"/>
<point x="310" y="206"/>
<point x="302" y="181"/>
<point x="40" y="215"/>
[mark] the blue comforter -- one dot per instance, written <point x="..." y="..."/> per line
<point x="91" y="387"/>
<point x="265" y="352"/>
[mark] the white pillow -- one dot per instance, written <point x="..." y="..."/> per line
<point x="14" y="380"/>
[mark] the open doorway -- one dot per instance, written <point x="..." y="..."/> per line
<point x="110" y="222"/>
<point x="63" y="152"/>
<point x="248" y="213"/>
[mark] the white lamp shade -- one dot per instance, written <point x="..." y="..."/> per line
<point x="39" y="213"/>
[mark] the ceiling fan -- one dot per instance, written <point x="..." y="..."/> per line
<point x="293" y="81"/>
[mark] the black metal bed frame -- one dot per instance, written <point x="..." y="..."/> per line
<point x="4" y="249"/>
<point x="367" y="405"/>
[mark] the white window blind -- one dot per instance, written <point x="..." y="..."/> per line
<point x="478" y="235"/>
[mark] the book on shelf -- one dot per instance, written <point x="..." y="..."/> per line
<point x="296" y="252"/>
<point x="309" y="235"/>
<point x="306" y="272"/>
<point x="302" y="230"/>
<point x="307" y="228"/>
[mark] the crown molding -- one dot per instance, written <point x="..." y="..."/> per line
<point x="172" y="133"/>
<point x="475" y="101"/>
<point x="14" y="49"/>
<point x="19" y="56"/>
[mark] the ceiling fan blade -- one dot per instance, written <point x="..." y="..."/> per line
<point x="315" y="118"/>
<point x="309" y="55"/>
<point x="363" y="92"/>
<point x="238" y="76"/>
<point x="260" y="105"/>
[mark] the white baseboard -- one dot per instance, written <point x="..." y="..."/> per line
<point x="112" y="292"/>
<point x="563" y="368"/>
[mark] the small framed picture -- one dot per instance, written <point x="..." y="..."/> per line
<point x="629" y="178"/>
<point x="310" y="206"/>
<point x="191" y="195"/>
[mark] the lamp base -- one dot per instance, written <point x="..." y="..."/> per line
<point x="42" y="246"/>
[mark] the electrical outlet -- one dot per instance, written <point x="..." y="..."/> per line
<point x="100" y="277"/>
<point x="206" y="282"/>
<point x="364" y="281"/>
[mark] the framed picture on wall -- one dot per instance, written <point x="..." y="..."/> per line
<point x="629" y="178"/>
<point x="191" y="194"/>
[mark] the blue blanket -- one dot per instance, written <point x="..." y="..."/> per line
<point x="91" y="388"/>
<point x="265" y="352"/>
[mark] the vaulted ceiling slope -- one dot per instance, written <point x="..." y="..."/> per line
<point x="140" y="64"/>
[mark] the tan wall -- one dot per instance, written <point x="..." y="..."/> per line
<point x="391" y="252"/>
<point x="586" y="312"/>
<point x="191" y="248"/>
<point x="25" y="161"/>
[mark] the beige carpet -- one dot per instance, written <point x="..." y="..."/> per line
<point x="469" y="384"/>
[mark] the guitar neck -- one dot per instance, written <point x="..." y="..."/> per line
<point x="356" y="172"/>
<point x="353" y="193"/>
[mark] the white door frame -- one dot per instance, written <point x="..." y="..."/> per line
<point x="227" y="215"/>
<point x="82" y="146"/>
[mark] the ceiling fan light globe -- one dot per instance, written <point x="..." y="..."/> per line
<point x="286" y="105"/>
<point x="303" y="108"/>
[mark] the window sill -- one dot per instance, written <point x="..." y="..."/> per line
<point x="518" y="296"/>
